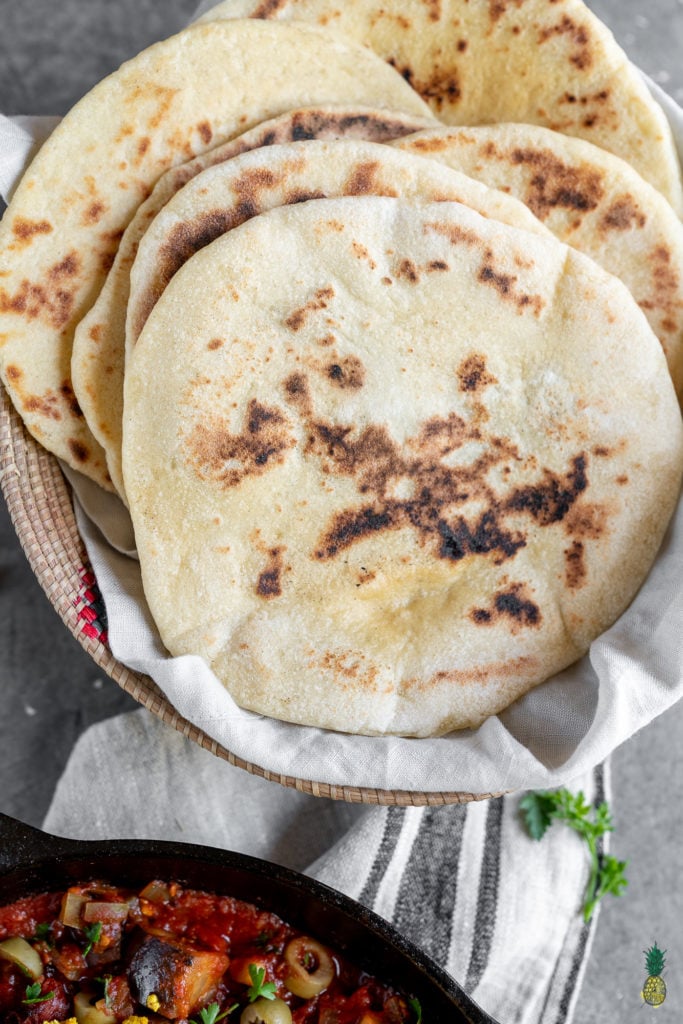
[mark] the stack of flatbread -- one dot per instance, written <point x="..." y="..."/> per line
<point x="372" y="315"/>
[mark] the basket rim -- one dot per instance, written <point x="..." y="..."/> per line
<point x="38" y="498"/>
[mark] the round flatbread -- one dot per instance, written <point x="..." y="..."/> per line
<point x="548" y="62"/>
<point x="97" y="359"/>
<point x="60" y="233"/>
<point x="226" y="195"/>
<point x="389" y="480"/>
<point x="589" y="199"/>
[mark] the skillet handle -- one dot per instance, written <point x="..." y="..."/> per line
<point x="23" y="843"/>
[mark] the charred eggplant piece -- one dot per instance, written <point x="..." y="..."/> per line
<point x="181" y="978"/>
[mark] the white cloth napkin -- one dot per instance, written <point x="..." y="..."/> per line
<point x="561" y="729"/>
<point x="20" y="139"/>
<point x="498" y="910"/>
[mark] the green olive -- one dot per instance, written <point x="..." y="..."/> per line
<point x="23" y="955"/>
<point x="86" y="1013"/>
<point x="266" y="1011"/>
<point x="310" y="968"/>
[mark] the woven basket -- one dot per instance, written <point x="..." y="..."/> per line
<point x="39" y="502"/>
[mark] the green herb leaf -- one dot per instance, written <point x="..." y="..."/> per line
<point x="607" y="873"/>
<point x="538" y="811"/>
<point x="603" y="818"/>
<point x="105" y="982"/>
<point x="257" y="988"/>
<point x="610" y="879"/>
<point x="43" y="930"/>
<point x="34" y="994"/>
<point x="210" y="1014"/>
<point x="416" y="1008"/>
<point x="93" y="933"/>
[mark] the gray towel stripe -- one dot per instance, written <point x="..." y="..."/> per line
<point x="392" y="830"/>
<point x="599" y="780"/>
<point x="426" y="898"/>
<point x="577" y="959"/>
<point x="573" y="975"/>
<point x="485" y="921"/>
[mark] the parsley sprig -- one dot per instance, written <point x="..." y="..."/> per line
<point x="35" y="995"/>
<point x="210" y="1014"/>
<point x="414" y="1004"/>
<point x="542" y="808"/>
<point x="259" y="989"/>
<point x="105" y="982"/>
<point x="93" y="933"/>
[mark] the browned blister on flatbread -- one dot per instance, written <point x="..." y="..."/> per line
<point x="589" y="199"/>
<point x="545" y="62"/>
<point x="98" y="357"/>
<point x="391" y="483"/>
<point x="224" y="195"/>
<point x="62" y="230"/>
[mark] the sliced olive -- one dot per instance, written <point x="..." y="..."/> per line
<point x="23" y="955"/>
<point x="87" y="1013"/>
<point x="266" y="1011"/>
<point x="310" y="968"/>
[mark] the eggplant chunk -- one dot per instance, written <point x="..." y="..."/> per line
<point x="181" y="978"/>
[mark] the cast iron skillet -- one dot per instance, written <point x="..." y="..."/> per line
<point x="32" y="861"/>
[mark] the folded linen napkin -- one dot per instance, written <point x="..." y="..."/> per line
<point x="498" y="910"/>
<point x="20" y="139"/>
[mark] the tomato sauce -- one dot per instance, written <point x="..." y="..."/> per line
<point x="98" y="954"/>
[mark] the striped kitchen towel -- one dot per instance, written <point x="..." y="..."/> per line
<point x="498" y="910"/>
<point x="465" y="883"/>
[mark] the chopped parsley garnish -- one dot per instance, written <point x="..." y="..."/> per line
<point x="105" y="982"/>
<point x="210" y="1014"/>
<point x="259" y="989"/>
<point x="43" y="930"/>
<point x="34" y="994"/>
<point x="93" y="933"/>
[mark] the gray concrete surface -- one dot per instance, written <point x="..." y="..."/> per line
<point x="51" y="51"/>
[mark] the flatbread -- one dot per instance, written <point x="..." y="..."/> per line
<point x="388" y="481"/>
<point x="589" y="199"/>
<point x="548" y="62"/>
<point x="61" y="231"/>
<point x="224" y="196"/>
<point x="97" y="360"/>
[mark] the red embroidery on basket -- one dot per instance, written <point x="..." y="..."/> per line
<point x="90" y="607"/>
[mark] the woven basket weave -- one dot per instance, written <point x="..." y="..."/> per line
<point x="39" y="502"/>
